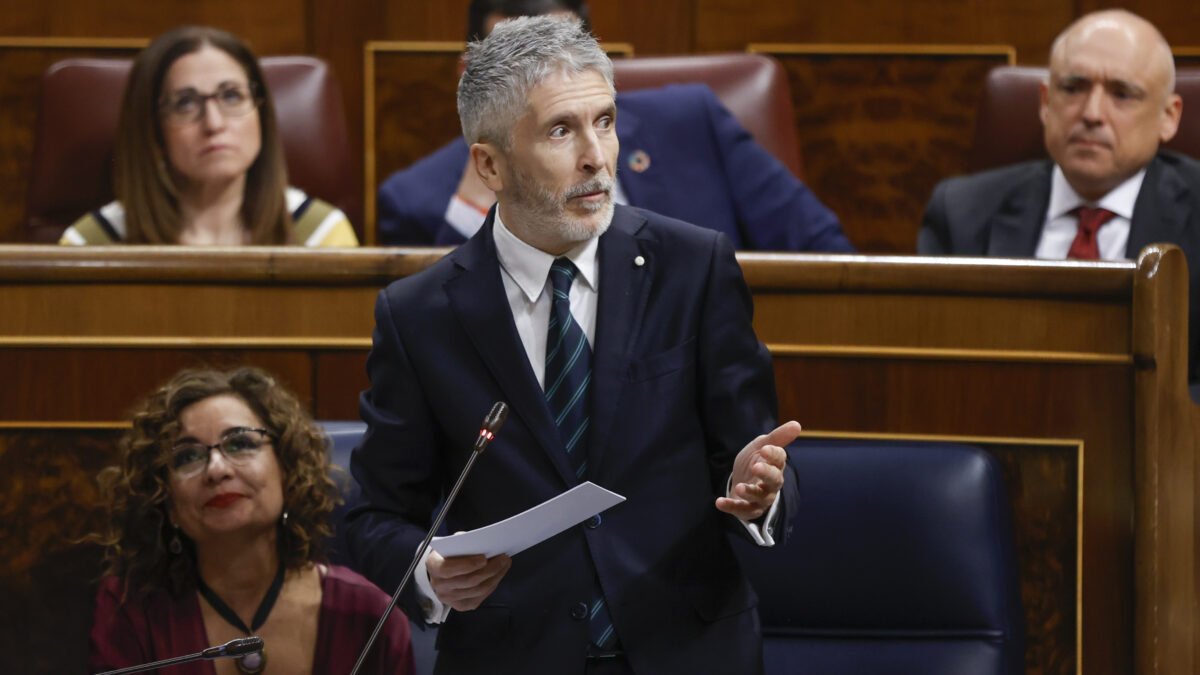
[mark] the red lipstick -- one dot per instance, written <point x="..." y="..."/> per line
<point x="223" y="500"/>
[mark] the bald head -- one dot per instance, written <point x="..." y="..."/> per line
<point x="1110" y="100"/>
<point x="1119" y="25"/>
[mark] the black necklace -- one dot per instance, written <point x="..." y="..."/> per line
<point x="256" y="662"/>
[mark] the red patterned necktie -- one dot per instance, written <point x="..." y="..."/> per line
<point x="1086" y="246"/>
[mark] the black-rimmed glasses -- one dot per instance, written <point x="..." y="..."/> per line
<point x="189" y="106"/>
<point x="238" y="446"/>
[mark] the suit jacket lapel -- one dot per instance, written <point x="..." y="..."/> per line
<point x="1161" y="210"/>
<point x="1014" y="229"/>
<point x="478" y="300"/>
<point x="624" y="286"/>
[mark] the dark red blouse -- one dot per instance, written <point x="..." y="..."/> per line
<point x="161" y="627"/>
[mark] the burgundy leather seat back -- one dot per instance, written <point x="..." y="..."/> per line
<point x="753" y="87"/>
<point x="71" y="170"/>
<point x="1008" y="129"/>
<point x="312" y="124"/>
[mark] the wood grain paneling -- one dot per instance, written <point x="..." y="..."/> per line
<point x="660" y="27"/>
<point x="1179" y="22"/>
<point x="1043" y="484"/>
<point x="1063" y="327"/>
<point x="653" y="28"/>
<point x="273" y="27"/>
<point x="243" y="312"/>
<point x="338" y="378"/>
<point x="48" y="501"/>
<point x="109" y="382"/>
<point x="410" y="107"/>
<point x="879" y="126"/>
<point x="1167" y="500"/>
<point x="1028" y="25"/>
<point x="422" y="20"/>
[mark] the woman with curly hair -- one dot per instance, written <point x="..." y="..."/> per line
<point x="217" y="512"/>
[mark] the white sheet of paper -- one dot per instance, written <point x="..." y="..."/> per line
<point x="517" y="533"/>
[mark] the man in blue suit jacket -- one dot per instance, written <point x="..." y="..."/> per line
<point x="678" y="403"/>
<point x="682" y="155"/>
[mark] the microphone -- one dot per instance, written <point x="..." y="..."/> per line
<point x="487" y="431"/>
<point x="491" y="424"/>
<point x="238" y="647"/>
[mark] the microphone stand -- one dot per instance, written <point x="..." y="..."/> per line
<point x="231" y="649"/>
<point x="491" y="424"/>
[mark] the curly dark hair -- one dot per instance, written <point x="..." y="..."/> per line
<point x="137" y="490"/>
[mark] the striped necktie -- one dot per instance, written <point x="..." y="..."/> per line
<point x="568" y="384"/>
<point x="568" y="368"/>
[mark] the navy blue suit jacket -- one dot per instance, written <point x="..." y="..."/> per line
<point x="704" y="169"/>
<point x="1001" y="212"/>
<point x="680" y="385"/>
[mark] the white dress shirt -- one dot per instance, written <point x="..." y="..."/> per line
<point x="525" y="272"/>
<point x="1060" y="225"/>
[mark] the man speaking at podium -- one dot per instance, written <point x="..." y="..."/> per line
<point x="622" y="342"/>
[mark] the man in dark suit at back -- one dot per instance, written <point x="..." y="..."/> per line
<point x="1108" y="191"/>
<point x="682" y="154"/>
<point x="622" y="342"/>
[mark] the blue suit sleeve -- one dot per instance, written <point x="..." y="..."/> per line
<point x="411" y="203"/>
<point x="395" y="465"/>
<point x="738" y="388"/>
<point x="934" y="237"/>
<point x="776" y="210"/>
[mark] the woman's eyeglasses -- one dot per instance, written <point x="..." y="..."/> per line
<point x="238" y="446"/>
<point x="189" y="106"/>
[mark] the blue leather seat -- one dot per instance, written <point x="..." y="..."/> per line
<point x="343" y="437"/>
<point x="900" y="561"/>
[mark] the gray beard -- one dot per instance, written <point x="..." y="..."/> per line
<point x="545" y="212"/>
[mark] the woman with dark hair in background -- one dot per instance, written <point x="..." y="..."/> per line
<point x="217" y="512"/>
<point x="198" y="158"/>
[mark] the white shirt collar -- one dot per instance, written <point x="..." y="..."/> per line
<point x="529" y="267"/>
<point x="1120" y="200"/>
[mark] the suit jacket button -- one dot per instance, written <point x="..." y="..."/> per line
<point x="579" y="611"/>
<point x="593" y="522"/>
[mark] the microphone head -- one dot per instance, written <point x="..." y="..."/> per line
<point x="491" y="424"/>
<point x="237" y="647"/>
<point x="243" y="646"/>
<point x="495" y="417"/>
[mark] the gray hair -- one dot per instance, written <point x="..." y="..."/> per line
<point x="517" y="57"/>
